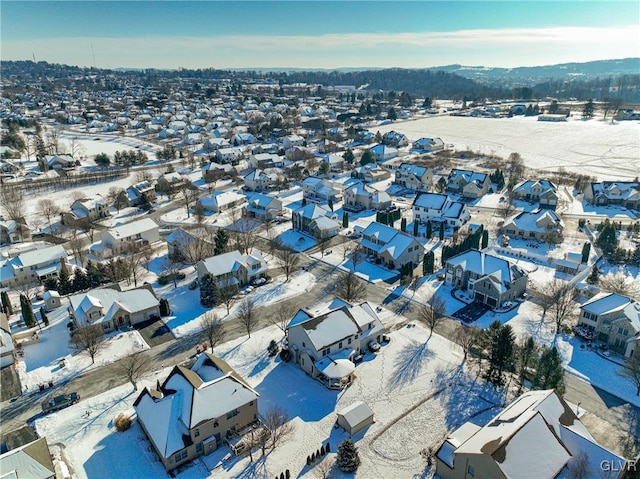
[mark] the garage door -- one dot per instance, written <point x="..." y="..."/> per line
<point x="478" y="297"/>
<point x="492" y="301"/>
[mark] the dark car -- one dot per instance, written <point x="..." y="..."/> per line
<point x="60" y="402"/>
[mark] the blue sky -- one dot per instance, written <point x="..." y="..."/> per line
<point x="318" y="34"/>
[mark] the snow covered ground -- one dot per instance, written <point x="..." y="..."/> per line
<point x="607" y="151"/>
<point x="406" y="385"/>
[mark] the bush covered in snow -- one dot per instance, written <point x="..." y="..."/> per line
<point x="348" y="458"/>
<point x="122" y="422"/>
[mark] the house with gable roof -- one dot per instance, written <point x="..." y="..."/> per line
<point x="539" y="225"/>
<point x="392" y="247"/>
<point x="220" y="201"/>
<point x="383" y="152"/>
<point x="428" y="145"/>
<point x="358" y="196"/>
<point x="31" y="460"/>
<point x="395" y="138"/>
<point x="414" y="177"/>
<point x="12" y="231"/>
<point x="543" y="192"/>
<point x="113" y="309"/>
<point x="196" y="410"/>
<point x="260" y="180"/>
<point x="233" y="270"/>
<point x="371" y="173"/>
<point x="263" y="207"/>
<point x="615" y="320"/>
<point x="317" y="221"/>
<point x="122" y="238"/>
<point x="439" y="208"/>
<point x="135" y="193"/>
<point x="92" y="209"/>
<point x="325" y="344"/>
<point x="188" y="244"/>
<point x="467" y="183"/>
<point x="32" y="266"/>
<point x="320" y="189"/>
<point x="620" y="193"/>
<point x="490" y="279"/>
<point x="537" y="433"/>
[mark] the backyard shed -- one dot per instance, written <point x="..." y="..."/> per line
<point x="355" y="417"/>
<point x="51" y="300"/>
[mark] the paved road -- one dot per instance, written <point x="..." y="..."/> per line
<point x="608" y="418"/>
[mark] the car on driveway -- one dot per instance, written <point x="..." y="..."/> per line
<point x="374" y="346"/>
<point x="60" y="402"/>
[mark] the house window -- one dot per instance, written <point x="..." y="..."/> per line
<point x="370" y="325"/>
<point x="180" y="456"/>
<point x="349" y="341"/>
<point x="199" y="448"/>
<point x="471" y="471"/>
<point x="231" y="414"/>
<point x="304" y="345"/>
<point x="251" y="403"/>
<point x="326" y="352"/>
<point x="196" y="433"/>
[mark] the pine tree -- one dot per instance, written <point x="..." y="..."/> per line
<point x="429" y="230"/>
<point x="403" y="225"/>
<point x="50" y="283"/>
<point x="208" y="291"/>
<point x="594" y="276"/>
<point x="348" y="156"/>
<point x="221" y="240"/>
<point x="330" y="202"/>
<point x="366" y="158"/>
<point x="64" y="283"/>
<point x="428" y="263"/>
<point x="348" y="459"/>
<point x="345" y="220"/>
<point x="80" y="280"/>
<point x="588" y="110"/>
<point x="415" y="228"/>
<point x="94" y="276"/>
<point x="586" y="249"/>
<point x="549" y="373"/>
<point x="485" y="239"/>
<point x="165" y="309"/>
<point x="501" y="348"/>
<point x="441" y="232"/>
<point x="44" y="317"/>
<point x="6" y="302"/>
<point x="27" y="312"/>
<point x="526" y="357"/>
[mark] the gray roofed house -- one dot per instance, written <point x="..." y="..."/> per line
<point x="467" y="183"/>
<point x="414" y="177"/>
<point x="428" y="145"/>
<point x="539" y="225"/>
<point x="31" y="461"/>
<point x="358" y="196"/>
<point x="317" y="221"/>
<point x="121" y="238"/>
<point x="622" y="193"/>
<point x="394" y="248"/>
<point x="233" y="269"/>
<point x="32" y="266"/>
<point x="543" y="192"/>
<point x="263" y="207"/>
<point x="440" y="208"/>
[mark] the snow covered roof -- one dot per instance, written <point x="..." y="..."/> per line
<point x="28" y="461"/>
<point x="313" y="211"/>
<point x="433" y="201"/>
<point x="608" y="303"/>
<point x="40" y="256"/>
<point x="335" y="368"/>
<point x="467" y="175"/>
<point x="355" y="413"/>
<point x="132" y="301"/>
<point x="129" y="229"/>
<point x="221" y="198"/>
<point x="381" y="238"/>
<point x="525" y="187"/>
<point x="231" y="261"/>
<point x="484" y="264"/>
<point x="536" y="221"/>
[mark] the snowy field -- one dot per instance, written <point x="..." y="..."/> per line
<point x="406" y="384"/>
<point x="607" y="151"/>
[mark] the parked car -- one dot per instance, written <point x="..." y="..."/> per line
<point x="374" y="346"/>
<point x="166" y="278"/>
<point x="60" y="402"/>
<point x="258" y="281"/>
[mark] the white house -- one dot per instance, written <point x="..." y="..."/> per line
<point x="229" y="155"/>
<point x="122" y="238"/>
<point x="93" y="209"/>
<point x="440" y="208"/>
<point x="12" y="231"/>
<point x="325" y="345"/>
<point x="291" y="141"/>
<point x="32" y="266"/>
<point x="317" y="221"/>
<point x="359" y="196"/>
<point x="232" y="269"/>
<point x="540" y="225"/>
<point x="113" y="309"/>
<point x="263" y="207"/>
<point x="414" y="177"/>
<point x="220" y="201"/>
<point x="394" y="248"/>
<point x="320" y="189"/>
<point x="258" y="180"/>
<point x="428" y="145"/>
<point x="264" y="160"/>
<point x="383" y="152"/>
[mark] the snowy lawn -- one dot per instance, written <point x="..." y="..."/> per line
<point x="365" y="269"/>
<point x="414" y="388"/>
<point x="295" y="240"/>
<point x="40" y="362"/>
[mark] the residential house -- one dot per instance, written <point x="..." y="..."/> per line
<point x="91" y="209"/>
<point x="32" y="267"/>
<point x="537" y="435"/>
<point x="213" y="144"/>
<point x="383" y="152"/>
<point x="317" y="221"/>
<point x="614" y="319"/>
<point x="12" y="231"/>
<point x="359" y="196"/>
<point x="491" y="280"/>
<point x="292" y="141"/>
<point x="394" y="138"/>
<point x="543" y="192"/>
<point x="325" y="345"/>
<point x="320" y="189"/>
<point x="264" y="160"/>
<point x="220" y="201"/>
<point x="229" y="155"/>
<point x="243" y="139"/>
<point x="468" y="184"/>
<point x="233" y="270"/>
<point x="414" y="177"/>
<point x="261" y="180"/>
<point x="539" y="225"/>
<point x="8" y="167"/>
<point x="213" y="171"/>
<point x="391" y="247"/>
<point x="60" y="162"/>
<point x="113" y="309"/>
<point x="619" y="193"/>
<point x="428" y="145"/>
<point x="123" y="238"/>
<point x="440" y="208"/>
<point x="172" y="183"/>
<point x="336" y="162"/>
<point x="140" y="193"/>
<point x="371" y="173"/>
<point x="196" y="410"/>
<point x="263" y="207"/>
<point x="6" y="343"/>
<point x="32" y="461"/>
<point x="189" y="245"/>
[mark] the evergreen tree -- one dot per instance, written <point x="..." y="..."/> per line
<point x="80" y="280"/>
<point x="366" y="158"/>
<point x="441" y="232"/>
<point x="6" y="303"/>
<point x="44" y="317"/>
<point x="415" y="228"/>
<point x="345" y="220"/>
<point x="607" y="240"/>
<point x="428" y="262"/>
<point x="485" y="239"/>
<point x="526" y="357"/>
<point x="501" y="348"/>
<point x="220" y="241"/>
<point x="165" y="309"/>
<point x="391" y="114"/>
<point x="50" y="283"/>
<point x="330" y="203"/>
<point x="588" y="110"/>
<point x="403" y="225"/>
<point x="94" y="276"/>
<point x="27" y="312"/>
<point x="348" y="156"/>
<point x="208" y="291"/>
<point x="429" y="230"/>
<point x="64" y="283"/>
<point x="549" y="373"/>
<point x="586" y="249"/>
<point x="348" y="459"/>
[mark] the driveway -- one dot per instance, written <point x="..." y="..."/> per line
<point x="155" y="332"/>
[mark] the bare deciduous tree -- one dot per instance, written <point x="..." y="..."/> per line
<point x="350" y="287"/>
<point x="47" y="209"/>
<point x="466" y="338"/>
<point x="322" y="246"/>
<point x="76" y="245"/>
<point x="171" y="267"/>
<point x="282" y="314"/>
<point x="213" y="329"/>
<point x="227" y="294"/>
<point x="12" y="201"/>
<point x="631" y="370"/>
<point x="564" y="304"/>
<point x="90" y="339"/>
<point x="189" y="197"/>
<point x="288" y="259"/>
<point x="134" y="367"/>
<point x="621" y="284"/>
<point x="357" y="255"/>
<point x="277" y="421"/>
<point x="578" y="466"/>
<point x="134" y="259"/>
<point x="324" y="469"/>
<point x="197" y="249"/>
<point x="247" y="315"/>
<point x="432" y="312"/>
